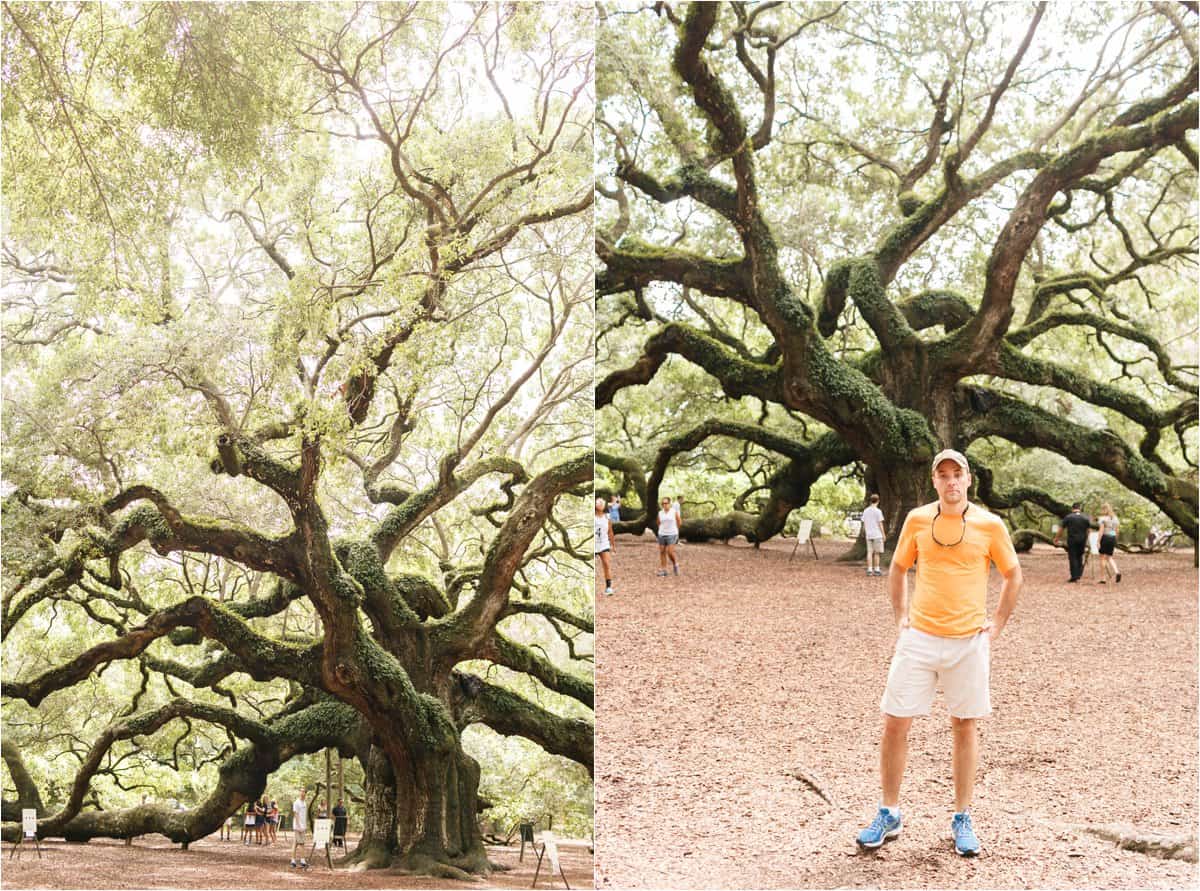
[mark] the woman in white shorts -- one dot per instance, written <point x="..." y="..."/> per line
<point x="669" y="521"/>
<point x="604" y="543"/>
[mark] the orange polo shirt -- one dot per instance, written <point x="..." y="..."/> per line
<point x="950" y="597"/>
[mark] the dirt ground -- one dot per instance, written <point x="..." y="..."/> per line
<point x="718" y="688"/>
<point x="153" y="862"/>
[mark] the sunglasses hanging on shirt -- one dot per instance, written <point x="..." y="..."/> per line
<point x="933" y="527"/>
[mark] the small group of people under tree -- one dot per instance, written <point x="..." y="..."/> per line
<point x="669" y="522"/>
<point x="1078" y="527"/>
<point x="261" y="821"/>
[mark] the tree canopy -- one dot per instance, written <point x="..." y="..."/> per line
<point x="297" y="404"/>
<point x="848" y="235"/>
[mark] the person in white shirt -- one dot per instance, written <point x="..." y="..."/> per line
<point x="604" y="543"/>
<point x="872" y="519"/>
<point x="300" y="828"/>
<point x="669" y="521"/>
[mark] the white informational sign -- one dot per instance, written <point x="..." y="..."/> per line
<point x="551" y="851"/>
<point x="322" y="828"/>
<point x="29" y="822"/>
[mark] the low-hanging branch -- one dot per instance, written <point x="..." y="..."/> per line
<point x="510" y="714"/>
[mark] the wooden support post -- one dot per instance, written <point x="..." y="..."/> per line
<point x="328" y="784"/>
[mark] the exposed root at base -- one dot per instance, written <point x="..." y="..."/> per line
<point x="427" y="866"/>
<point x="1180" y="846"/>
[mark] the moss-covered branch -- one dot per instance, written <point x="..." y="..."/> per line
<point x="503" y="651"/>
<point x="738" y="376"/>
<point x="1028" y="333"/>
<point x="634" y="265"/>
<point x="986" y="492"/>
<point x="241" y="778"/>
<point x="1030" y="213"/>
<point x="551" y="611"/>
<point x="417" y="507"/>
<point x="1032" y="427"/>
<point x="261" y="657"/>
<point x="478" y="702"/>
<point x="468" y="628"/>
<point x="1014" y="365"/>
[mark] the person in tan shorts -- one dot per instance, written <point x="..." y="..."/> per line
<point x="944" y="637"/>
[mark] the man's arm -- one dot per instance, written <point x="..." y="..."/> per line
<point x="897" y="585"/>
<point x="1013" y="579"/>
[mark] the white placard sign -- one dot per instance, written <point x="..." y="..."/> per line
<point x="321" y="830"/>
<point x="551" y="851"/>
<point x="29" y="822"/>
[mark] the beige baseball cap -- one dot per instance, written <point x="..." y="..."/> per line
<point x="950" y="455"/>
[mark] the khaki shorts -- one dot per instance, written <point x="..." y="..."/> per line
<point x="874" y="545"/>
<point x="922" y="662"/>
<point x="299" y="837"/>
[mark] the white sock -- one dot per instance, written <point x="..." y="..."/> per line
<point x="891" y="811"/>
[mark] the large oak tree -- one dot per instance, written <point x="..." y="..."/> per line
<point x="835" y="233"/>
<point x="298" y="414"/>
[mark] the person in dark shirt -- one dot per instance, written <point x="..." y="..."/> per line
<point x="1077" y="525"/>
<point x="340" y="819"/>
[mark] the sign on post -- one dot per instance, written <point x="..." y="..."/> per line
<point x="322" y="829"/>
<point x="549" y="852"/>
<point x="28" y="833"/>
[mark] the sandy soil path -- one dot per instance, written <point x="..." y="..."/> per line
<point x="718" y="688"/>
<point x="153" y="862"/>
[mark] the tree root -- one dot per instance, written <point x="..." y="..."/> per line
<point x="422" y="864"/>
<point x="1179" y="846"/>
<point x="815" y="784"/>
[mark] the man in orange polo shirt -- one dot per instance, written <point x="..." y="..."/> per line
<point x="944" y="637"/>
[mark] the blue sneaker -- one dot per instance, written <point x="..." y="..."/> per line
<point x="883" y="827"/>
<point x="965" y="842"/>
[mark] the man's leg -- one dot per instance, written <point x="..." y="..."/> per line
<point x="1075" y="558"/>
<point x="893" y="756"/>
<point x="965" y="761"/>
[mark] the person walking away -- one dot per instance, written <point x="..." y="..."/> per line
<point x="1077" y="526"/>
<point x="605" y="541"/>
<point x="872" y="519"/>
<point x="248" y="823"/>
<point x="273" y="821"/>
<point x="299" y="828"/>
<point x="669" y="521"/>
<point x="1109" y="526"/>
<point x="944" y="639"/>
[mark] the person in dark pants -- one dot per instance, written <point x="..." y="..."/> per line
<point x="340" y="819"/>
<point x="1077" y="525"/>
